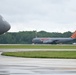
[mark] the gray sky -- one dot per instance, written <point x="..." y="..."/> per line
<point x="47" y="15"/>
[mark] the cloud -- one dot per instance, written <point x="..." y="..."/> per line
<point x="49" y="15"/>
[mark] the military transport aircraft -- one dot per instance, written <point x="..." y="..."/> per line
<point x="54" y="40"/>
<point x="4" y="26"/>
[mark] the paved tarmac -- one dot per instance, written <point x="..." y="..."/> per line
<point x="15" y="50"/>
<point x="32" y="66"/>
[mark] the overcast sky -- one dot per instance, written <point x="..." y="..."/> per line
<point x="47" y="15"/>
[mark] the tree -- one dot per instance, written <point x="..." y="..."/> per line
<point x="25" y="37"/>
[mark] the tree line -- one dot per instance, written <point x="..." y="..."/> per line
<point x="25" y="37"/>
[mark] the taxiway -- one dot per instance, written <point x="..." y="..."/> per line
<point x="36" y="66"/>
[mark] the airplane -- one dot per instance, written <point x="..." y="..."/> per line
<point x="4" y="26"/>
<point x="54" y="40"/>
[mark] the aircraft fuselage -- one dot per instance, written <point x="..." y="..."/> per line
<point x="51" y="40"/>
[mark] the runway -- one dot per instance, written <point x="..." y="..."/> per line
<point x="17" y="50"/>
<point x="32" y="66"/>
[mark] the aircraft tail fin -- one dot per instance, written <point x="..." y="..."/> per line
<point x="74" y="35"/>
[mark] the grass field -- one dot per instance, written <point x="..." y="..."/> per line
<point x="39" y="46"/>
<point x="41" y="54"/>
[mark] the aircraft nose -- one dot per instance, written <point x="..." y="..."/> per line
<point x="4" y="26"/>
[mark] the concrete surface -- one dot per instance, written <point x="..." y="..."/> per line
<point x="32" y="66"/>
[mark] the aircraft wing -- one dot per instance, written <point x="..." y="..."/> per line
<point x="50" y="41"/>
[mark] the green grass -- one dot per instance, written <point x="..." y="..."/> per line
<point x="30" y="46"/>
<point x="40" y="54"/>
<point x="43" y="54"/>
